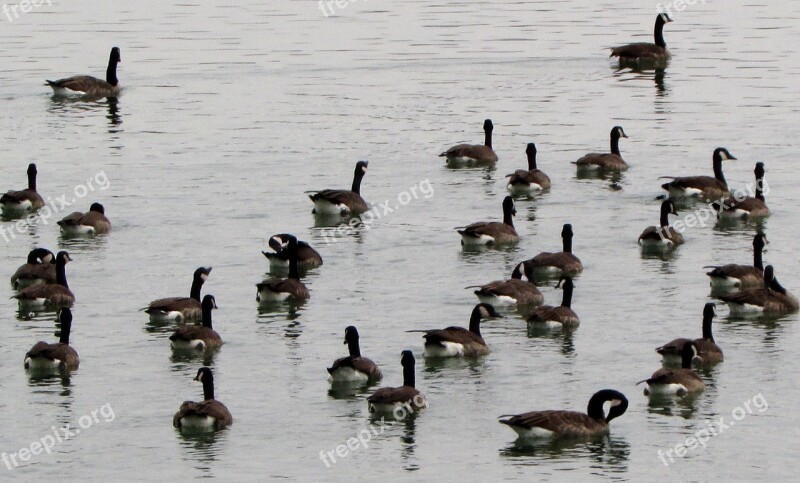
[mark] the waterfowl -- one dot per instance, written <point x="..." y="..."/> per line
<point x="354" y="368"/>
<point x="203" y="416"/>
<point x="24" y="200"/>
<point x="307" y="257"/>
<point x="342" y="202"/>
<point x="664" y="235"/>
<point x="547" y="264"/>
<point x="180" y="309"/>
<point x="56" y="296"/>
<point x="39" y="269"/>
<point x="561" y="316"/>
<point x="560" y="423"/>
<point x="198" y="337"/>
<point x="773" y="299"/>
<point x="458" y="341"/>
<point x="708" y="352"/>
<point x="519" y="290"/>
<point x="94" y="222"/>
<point x="473" y="153"/>
<point x="746" y="206"/>
<point x="523" y="182"/>
<point x="59" y="356"/>
<point x="644" y="51"/>
<point x="492" y="233"/>
<point x="732" y="276"/>
<point x="389" y="400"/>
<point x="610" y="161"/>
<point x="676" y="382"/>
<point x="704" y="187"/>
<point x="91" y="86"/>
<point x="282" y="289"/>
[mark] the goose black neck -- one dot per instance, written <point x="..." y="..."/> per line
<point x="66" y="326"/>
<point x="488" y="138"/>
<point x="197" y="284"/>
<point x="532" y="160"/>
<point x="658" y="32"/>
<point x="595" y="409"/>
<point x="508" y="218"/>
<point x="208" y="386"/>
<point x="665" y="216"/>
<point x="357" y="177"/>
<point x="718" y="169"/>
<point x="567" y="242"/>
<point x="687" y="356"/>
<point x="758" y="261"/>
<point x="355" y="350"/>
<point x="61" y="273"/>
<point x="294" y="270"/>
<point x="775" y="286"/>
<point x="759" y="185"/>
<point x="207" y="308"/>
<point x="475" y="321"/>
<point x="566" y="298"/>
<point x="615" y="144"/>
<point x="408" y="375"/>
<point x="32" y="181"/>
<point x="111" y="71"/>
<point x="707" y="335"/>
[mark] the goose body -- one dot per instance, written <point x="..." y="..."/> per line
<point x="676" y="382"/>
<point x="549" y="264"/>
<point x="733" y="276"/>
<point x="354" y="368"/>
<point x="94" y="222"/>
<point x="388" y="400"/>
<point x="708" y="352"/>
<point x="773" y="299"/>
<point x="458" y="341"/>
<point x="284" y="289"/>
<point x="180" y="309"/>
<point x="50" y="296"/>
<point x="492" y="233"/>
<point x="606" y="161"/>
<point x="198" y="337"/>
<point x="664" y="235"/>
<point x="473" y="153"/>
<point x="560" y="316"/>
<point x="60" y="356"/>
<point x="522" y="182"/>
<point x="518" y="290"/>
<point x="747" y="207"/>
<point x="40" y="268"/>
<point x="26" y="200"/>
<point x="307" y="257"/>
<point x="207" y="415"/>
<point x="342" y="202"/>
<point x="645" y="52"/>
<point x="89" y="86"/>
<point x="705" y="187"/>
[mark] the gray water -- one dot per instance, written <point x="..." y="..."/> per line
<point x="231" y="111"/>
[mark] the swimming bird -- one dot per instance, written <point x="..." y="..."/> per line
<point x="664" y="235"/>
<point x="773" y="299"/>
<point x="705" y="187"/>
<point x="180" y="309"/>
<point x="26" y="200"/>
<point x="560" y="316"/>
<point x="51" y="296"/>
<point x="569" y="424"/>
<point x="207" y="415"/>
<point x="406" y="398"/>
<point x="283" y="289"/>
<point x="91" y="86"/>
<point x="708" y="352"/>
<point x="740" y="206"/>
<point x="732" y="276"/>
<point x="606" y="161"/>
<point x="307" y="257"/>
<point x="458" y="341"/>
<point x="354" y="368"/>
<point x="676" y="382"/>
<point x="645" y="52"/>
<point x="518" y="290"/>
<point x="40" y="268"/>
<point x="94" y="222"/>
<point x="547" y="264"/>
<point x="198" y="337"/>
<point x="59" y="356"/>
<point x="342" y="202"/>
<point x="473" y="153"/>
<point x="522" y="182"/>
<point x="492" y="233"/>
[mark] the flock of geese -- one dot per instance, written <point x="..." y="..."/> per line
<point x="41" y="283"/>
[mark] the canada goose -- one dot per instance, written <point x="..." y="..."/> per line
<point x="561" y="316"/>
<point x="59" y="356"/>
<point x="91" y="86"/>
<point x="704" y="187"/>
<point x="92" y="223"/>
<point x="203" y="416"/>
<point x="645" y="51"/>
<point x="610" y="161"/>
<point x="519" y="290"/>
<point x="354" y="368"/>
<point x="747" y="206"/>
<point x="388" y="400"/>
<point x="560" y="423"/>
<point x="492" y="233"/>
<point x="57" y="295"/>
<point x="708" y="352"/>
<point x="281" y="289"/>
<point x="547" y="264"/>
<point x="732" y="276"/>
<point x="24" y="200"/>
<point x="458" y="341"/>
<point x="473" y="153"/>
<point x="198" y="337"/>
<point x="523" y="182"/>
<point x="773" y="299"/>
<point x="664" y="235"/>
<point x="676" y="382"/>
<point x="307" y="257"/>
<point x="180" y="309"/>
<point x="342" y="202"/>
<point x="39" y="269"/>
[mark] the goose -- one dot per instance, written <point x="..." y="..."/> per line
<point x="57" y="295"/>
<point x="708" y="352"/>
<point x="547" y="264"/>
<point x="92" y="223"/>
<point x="473" y="153"/>
<point x="39" y="269"/>
<point x="519" y="290"/>
<point x="354" y="368"/>
<point x="198" y="337"/>
<point x="773" y="299"/>
<point x="307" y="257"/>
<point x="492" y="233"/>
<point x="561" y="316"/>
<point x="676" y="382"/>
<point x="733" y="276"/>
<point x="59" y="356"/>
<point x="458" y="341"/>
<point x="746" y="206"/>
<point x="180" y="309"/>
<point x="522" y="182"/>
<point x="645" y="51"/>
<point x="704" y="187"/>
<point x="664" y="235"/>
<point x="203" y="416"/>
<point x="342" y="202"/>
<point x="24" y="200"/>
<point x="89" y="86"/>
<point x="610" y="161"/>
<point x="406" y="398"/>
<point x="282" y="289"/>
<point x="567" y="424"/>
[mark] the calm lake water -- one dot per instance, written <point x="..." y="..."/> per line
<point x="231" y="111"/>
